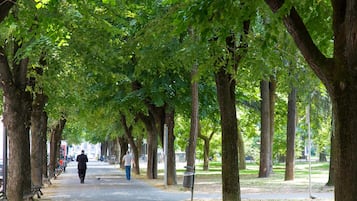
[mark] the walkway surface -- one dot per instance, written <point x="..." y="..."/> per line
<point x="106" y="182"/>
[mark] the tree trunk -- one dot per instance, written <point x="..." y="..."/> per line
<point x="15" y="123"/>
<point x="226" y="99"/>
<point x="56" y="135"/>
<point x="17" y="109"/>
<point x="264" y="165"/>
<point x="192" y="142"/>
<point x="346" y="142"/>
<point x="104" y="150"/>
<point x="241" y="150"/>
<point x="44" y="124"/>
<point x="113" y="149"/>
<point x="205" y="154"/>
<point x="138" y="142"/>
<point x="154" y="124"/>
<point x="152" y="141"/>
<point x="291" y="126"/>
<point x="272" y="97"/>
<point x="37" y="137"/>
<point x="152" y="154"/>
<point x="134" y="148"/>
<point x="331" y="178"/>
<point x="116" y="148"/>
<point x="171" y="158"/>
<point x="123" y="149"/>
<point x="26" y="172"/>
<point x="226" y="86"/>
<point x="206" y="148"/>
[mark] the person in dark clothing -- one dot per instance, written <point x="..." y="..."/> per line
<point x="82" y="166"/>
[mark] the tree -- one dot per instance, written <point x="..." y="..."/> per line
<point x="206" y="143"/>
<point x="291" y="126"/>
<point x="241" y="150"/>
<point x="265" y="144"/>
<point x="38" y="139"/>
<point x="272" y="100"/>
<point x="337" y="74"/>
<point x="55" y="143"/>
<point x="194" y="130"/>
<point x="17" y="109"/>
<point x="134" y="147"/>
<point x="171" y="158"/>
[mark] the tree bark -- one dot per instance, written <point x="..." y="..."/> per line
<point x="56" y="135"/>
<point x="44" y="124"/>
<point x="291" y="127"/>
<point x="104" y="150"/>
<point x="17" y="110"/>
<point x="241" y="150"/>
<point x="123" y="148"/>
<point x="138" y="142"/>
<point x="152" y="141"/>
<point x="272" y="97"/>
<point x="192" y="142"/>
<point x="171" y="158"/>
<point x="346" y="143"/>
<point x="226" y="86"/>
<point x="116" y="150"/>
<point x="226" y="99"/>
<point x="37" y="136"/>
<point x="264" y="165"/>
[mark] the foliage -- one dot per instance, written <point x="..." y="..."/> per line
<point x="95" y="51"/>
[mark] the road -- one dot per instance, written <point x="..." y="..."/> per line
<point x="106" y="182"/>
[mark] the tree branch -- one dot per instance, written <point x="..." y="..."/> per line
<point x="297" y="29"/>
<point x="5" y="6"/>
<point x="5" y="73"/>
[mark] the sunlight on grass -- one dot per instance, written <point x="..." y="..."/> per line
<point x="211" y="181"/>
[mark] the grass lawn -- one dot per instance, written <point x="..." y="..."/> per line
<point x="211" y="182"/>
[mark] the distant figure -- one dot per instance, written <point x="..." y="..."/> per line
<point x="82" y="166"/>
<point x="127" y="160"/>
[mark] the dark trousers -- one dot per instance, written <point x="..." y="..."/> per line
<point x="82" y="174"/>
<point x="127" y="172"/>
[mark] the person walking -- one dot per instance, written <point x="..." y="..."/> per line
<point x="127" y="160"/>
<point x="82" y="160"/>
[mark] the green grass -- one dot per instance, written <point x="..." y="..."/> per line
<point x="319" y="170"/>
<point x="211" y="181"/>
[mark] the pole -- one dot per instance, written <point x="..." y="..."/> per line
<point x="309" y="147"/>
<point x="4" y="168"/>
<point x="193" y="182"/>
<point x="4" y="165"/>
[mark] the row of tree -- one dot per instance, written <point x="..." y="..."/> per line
<point x="118" y="70"/>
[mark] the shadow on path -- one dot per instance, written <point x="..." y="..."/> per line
<point x="106" y="182"/>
